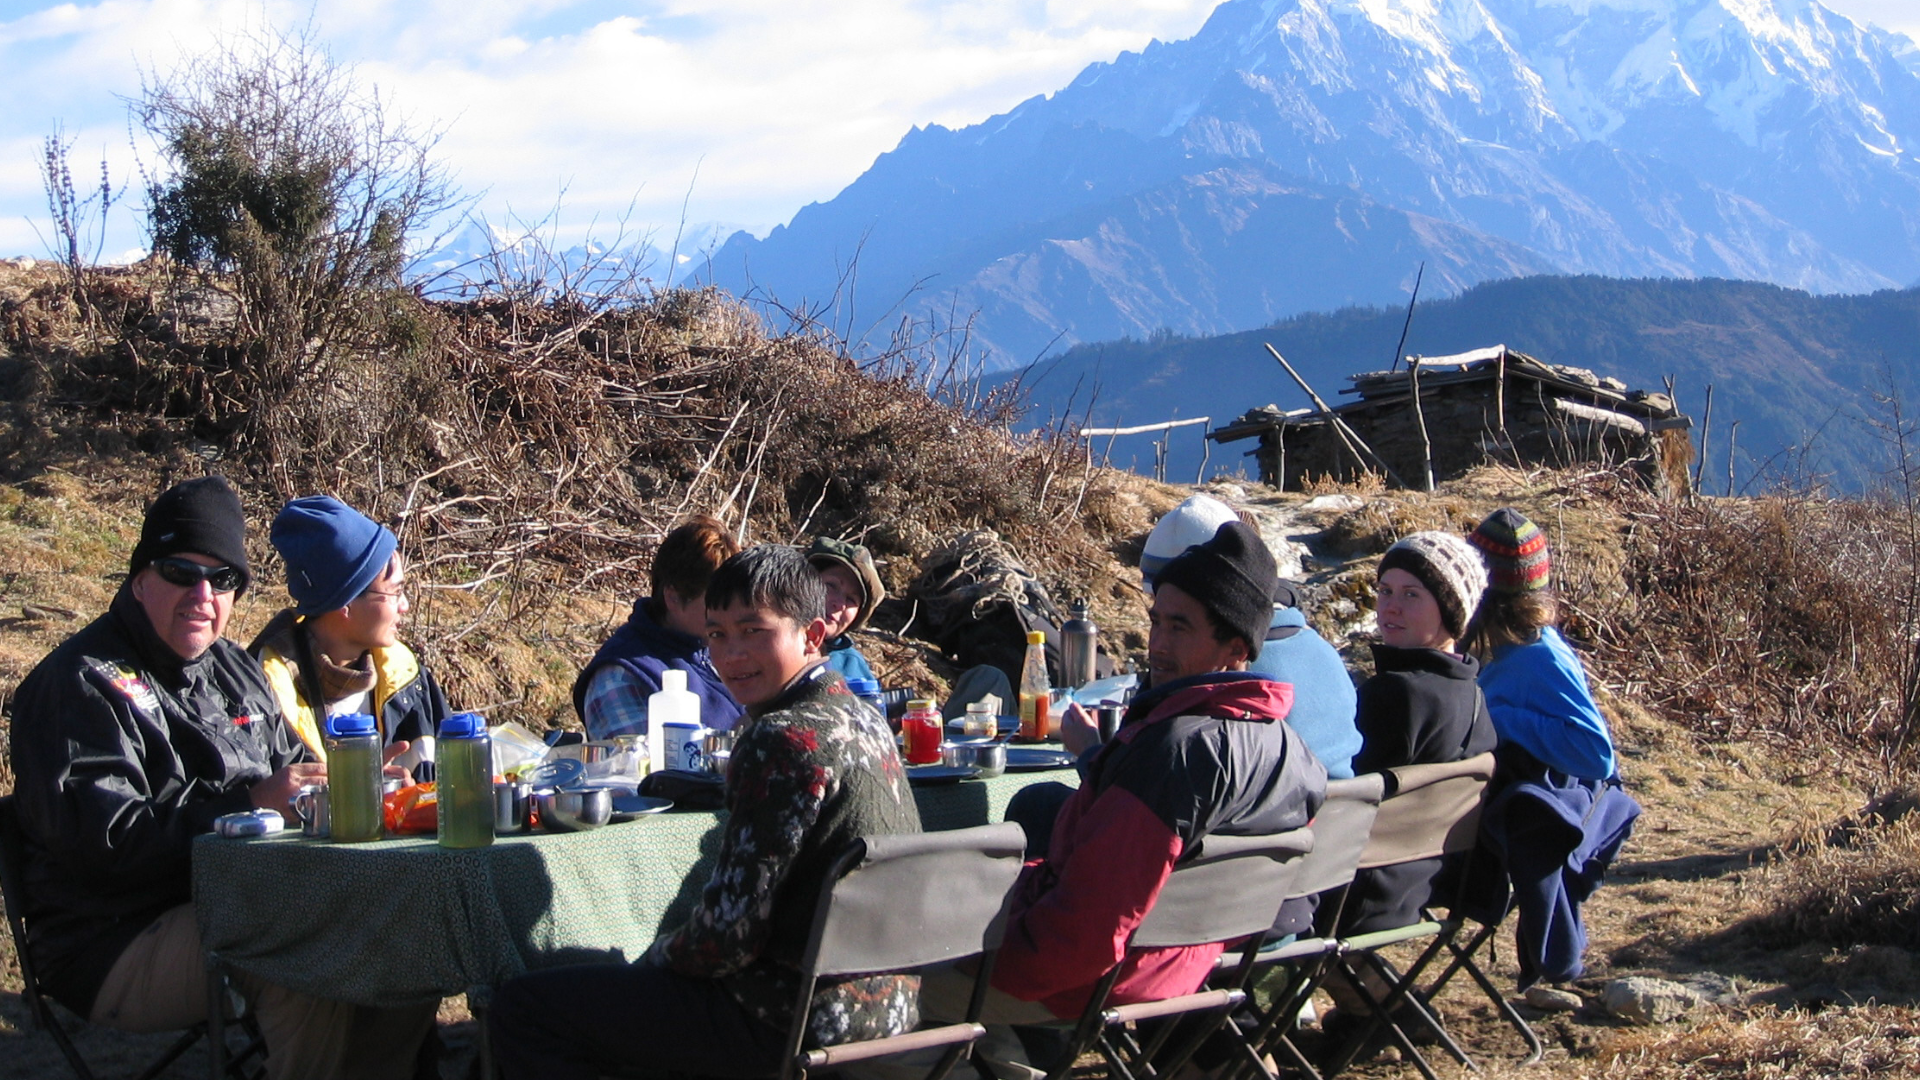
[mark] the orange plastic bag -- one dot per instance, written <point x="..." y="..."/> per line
<point x="413" y="809"/>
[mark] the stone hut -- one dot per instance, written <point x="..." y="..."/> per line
<point x="1492" y="404"/>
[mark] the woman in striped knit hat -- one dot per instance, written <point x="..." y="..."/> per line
<point x="1536" y="689"/>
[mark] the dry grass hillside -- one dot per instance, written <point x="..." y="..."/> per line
<point x="1747" y="652"/>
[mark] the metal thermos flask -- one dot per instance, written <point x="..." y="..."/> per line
<point x="1078" y="638"/>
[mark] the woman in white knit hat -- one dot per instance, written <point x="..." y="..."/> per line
<point x="1422" y="706"/>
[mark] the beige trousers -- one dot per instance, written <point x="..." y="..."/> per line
<point x="160" y="984"/>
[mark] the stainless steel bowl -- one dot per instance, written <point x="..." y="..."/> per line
<point x="990" y="759"/>
<point x="574" y="810"/>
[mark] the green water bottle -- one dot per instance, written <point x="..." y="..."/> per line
<point x="353" y="777"/>
<point x="463" y="778"/>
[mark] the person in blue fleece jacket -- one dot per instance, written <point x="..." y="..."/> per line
<point x="1536" y="689"/>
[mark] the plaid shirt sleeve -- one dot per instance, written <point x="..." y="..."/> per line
<point x="616" y="703"/>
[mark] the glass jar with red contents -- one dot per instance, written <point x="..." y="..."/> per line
<point x="921" y="729"/>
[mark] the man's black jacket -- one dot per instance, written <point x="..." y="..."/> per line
<point x="122" y="753"/>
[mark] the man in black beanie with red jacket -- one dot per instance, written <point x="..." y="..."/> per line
<point x="128" y="740"/>
<point x="1203" y="750"/>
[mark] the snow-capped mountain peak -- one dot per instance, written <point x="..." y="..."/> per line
<point x="1759" y="139"/>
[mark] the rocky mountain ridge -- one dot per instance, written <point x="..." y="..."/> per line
<point x="1302" y="154"/>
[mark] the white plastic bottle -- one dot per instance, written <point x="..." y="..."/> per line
<point x="673" y="703"/>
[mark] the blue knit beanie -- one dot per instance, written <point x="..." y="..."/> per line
<point x="332" y="551"/>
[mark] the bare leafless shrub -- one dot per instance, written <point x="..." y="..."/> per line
<point x="1776" y="616"/>
<point x="78" y="217"/>
<point x="290" y="187"/>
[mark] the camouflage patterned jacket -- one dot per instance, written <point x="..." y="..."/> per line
<point x="811" y="773"/>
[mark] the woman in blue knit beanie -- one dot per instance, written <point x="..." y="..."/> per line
<point x="337" y="649"/>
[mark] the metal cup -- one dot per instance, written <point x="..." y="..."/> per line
<point x="1109" y="717"/>
<point x="510" y="804"/>
<point x="586" y="753"/>
<point x="719" y="762"/>
<point x="716" y="742"/>
<point x="990" y="759"/>
<point x="957" y="755"/>
<point x="315" y="811"/>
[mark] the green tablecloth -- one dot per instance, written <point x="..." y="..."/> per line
<point x="404" y="920"/>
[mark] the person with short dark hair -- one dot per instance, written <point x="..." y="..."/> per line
<point x="665" y="630"/>
<point x="337" y="649"/>
<point x="128" y="740"/>
<point x="853" y="589"/>
<point x="812" y="770"/>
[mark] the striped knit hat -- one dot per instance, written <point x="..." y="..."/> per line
<point x="1515" y="550"/>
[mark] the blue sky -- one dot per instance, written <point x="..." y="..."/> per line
<point x="745" y="110"/>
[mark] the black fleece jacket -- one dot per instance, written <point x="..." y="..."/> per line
<point x="1422" y="706"/>
<point x="122" y="753"/>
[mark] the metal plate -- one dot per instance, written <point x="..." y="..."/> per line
<point x="628" y="807"/>
<point x="555" y="773"/>
<point x="1036" y="759"/>
<point x="926" y="775"/>
<point x="1008" y="725"/>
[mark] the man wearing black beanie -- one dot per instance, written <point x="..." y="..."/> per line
<point x="129" y="739"/>
<point x="1204" y="750"/>
<point x="1232" y="577"/>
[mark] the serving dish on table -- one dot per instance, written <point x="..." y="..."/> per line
<point x="925" y="775"/>
<point x="1037" y="759"/>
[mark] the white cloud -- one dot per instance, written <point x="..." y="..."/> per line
<point x="773" y="104"/>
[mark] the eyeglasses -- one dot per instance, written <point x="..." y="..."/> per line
<point x="394" y="597"/>
<point x="186" y="574"/>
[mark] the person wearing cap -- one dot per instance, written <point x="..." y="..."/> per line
<point x="1292" y="652"/>
<point x="1535" y="687"/>
<point x="337" y="650"/>
<point x="1324" y="699"/>
<point x="128" y="740"/>
<point x="1423" y="703"/>
<point x="853" y="591"/>
<point x="1422" y="706"/>
<point x="665" y="630"/>
<point x="1559" y="812"/>
<point x="1206" y="749"/>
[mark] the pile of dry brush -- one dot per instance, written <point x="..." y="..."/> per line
<point x="1789" y="617"/>
<point x="546" y="443"/>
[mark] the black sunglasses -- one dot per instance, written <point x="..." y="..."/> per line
<point x="187" y="574"/>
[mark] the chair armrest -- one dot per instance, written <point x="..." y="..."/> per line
<point x="1185" y="1003"/>
<point x="897" y="1044"/>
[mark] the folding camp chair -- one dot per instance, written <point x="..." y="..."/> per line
<point x="1229" y="890"/>
<point x="895" y="903"/>
<point x="1484" y="897"/>
<point x="13" y="885"/>
<point x="1432" y="811"/>
<point x="1340" y="833"/>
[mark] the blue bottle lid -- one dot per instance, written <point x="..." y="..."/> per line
<point x="465" y="725"/>
<point x="863" y="687"/>
<point x="350" y="724"/>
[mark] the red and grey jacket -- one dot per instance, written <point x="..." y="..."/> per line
<point x="1206" y="754"/>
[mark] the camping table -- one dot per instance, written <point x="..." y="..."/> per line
<point x="404" y="920"/>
